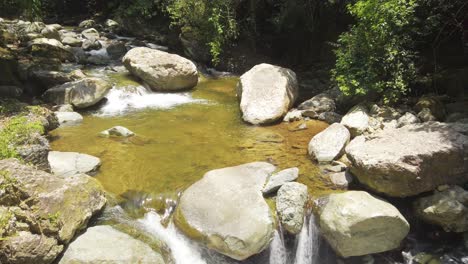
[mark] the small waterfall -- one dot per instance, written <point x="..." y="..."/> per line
<point x="278" y="251"/>
<point x="183" y="250"/>
<point x="122" y="99"/>
<point x="308" y="243"/>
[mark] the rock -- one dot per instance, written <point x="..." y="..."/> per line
<point x="10" y="91"/>
<point x="50" y="48"/>
<point x="330" y="117"/>
<point x="425" y="115"/>
<point x="329" y="144"/>
<point x="356" y="141"/>
<point x="355" y="224"/>
<point x="118" y="131"/>
<point x="411" y="160"/>
<point x="454" y="117"/>
<point x="162" y="71"/>
<point x="116" y="49"/>
<point x="34" y="27"/>
<point x="46" y="79"/>
<point x="226" y="211"/>
<point x="72" y="163"/>
<point x="356" y="120"/>
<point x="278" y="179"/>
<point x="63" y="108"/>
<point x="111" y="24"/>
<point x="71" y="41"/>
<point x="293" y="115"/>
<point x="98" y="59"/>
<point x="36" y="152"/>
<point x="433" y="104"/>
<point x="266" y="93"/>
<point x="69" y="118"/>
<point x="91" y="44"/>
<point x="290" y="204"/>
<point x="90" y="34"/>
<point x="447" y="208"/>
<point x="341" y="179"/>
<point x="81" y="94"/>
<point x="57" y="207"/>
<point x="320" y="103"/>
<point x="408" y="119"/>
<point x="89" y="23"/>
<point x="384" y="113"/>
<point x="104" y="244"/>
<point x="50" y="32"/>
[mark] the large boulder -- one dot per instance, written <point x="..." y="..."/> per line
<point x="81" y="94"/>
<point x="50" y="48"/>
<point x="266" y="93"/>
<point x="411" y="160"/>
<point x="226" y="210"/>
<point x="356" y="120"/>
<point x="330" y="143"/>
<point x="72" y="163"/>
<point x="45" y="211"/>
<point x="447" y="208"/>
<point x="104" y="244"/>
<point x="290" y="204"/>
<point x="355" y="223"/>
<point x="162" y="71"/>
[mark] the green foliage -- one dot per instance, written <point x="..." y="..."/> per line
<point x="376" y="53"/>
<point x="32" y="9"/>
<point x="213" y="22"/>
<point x="17" y="131"/>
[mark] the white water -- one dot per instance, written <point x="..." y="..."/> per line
<point x="308" y="243"/>
<point x="278" y="251"/>
<point x="122" y="100"/>
<point x="183" y="250"/>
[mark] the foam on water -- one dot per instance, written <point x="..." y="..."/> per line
<point x="183" y="250"/>
<point x="278" y="251"/>
<point x="308" y="243"/>
<point x="122" y="100"/>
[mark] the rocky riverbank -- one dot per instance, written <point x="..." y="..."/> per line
<point x="400" y="171"/>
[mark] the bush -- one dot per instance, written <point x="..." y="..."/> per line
<point x="376" y="53"/>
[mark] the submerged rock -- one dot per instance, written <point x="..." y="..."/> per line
<point x="57" y="207"/>
<point x="330" y="143"/>
<point x="411" y="160"/>
<point x="162" y="71"/>
<point x="290" y="204"/>
<point x="69" y="118"/>
<point x="104" y="244"/>
<point x="447" y="208"/>
<point x="226" y="211"/>
<point x="356" y="120"/>
<point x="118" y="131"/>
<point x="72" y="163"/>
<point x="81" y="94"/>
<point x="278" y="179"/>
<point x="266" y="93"/>
<point x="355" y="224"/>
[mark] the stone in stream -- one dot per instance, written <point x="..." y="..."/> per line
<point x="90" y="34"/>
<point x="72" y="163"/>
<point x="279" y="178"/>
<point x="447" y="208"/>
<point x="118" y="131"/>
<point x="50" y="48"/>
<point x="226" y="211"/>
<point x="69" y="118"/>
<point x="89" y="23"/>
<point x="329" y="144"/>
<point x="356" y="120"/>
<point x="104" y="244"/>
<point x="320" y="103"/>
<point x="290" y="204"/>
<point x="266" y="93"/>
<point x="162" y="71"/>
<point x="91" y="44"/>
<point x="116" y="49"/>
<point x="51" y="32"/>
<point x="71" y="41"/>
<point x="341" y="179"/>
<point x="81" y="94"/>
<point x="356" y="223"/>
<point x="56" y="208"/>
<point x="411" y="160"/>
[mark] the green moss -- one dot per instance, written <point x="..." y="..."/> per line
<point x="17" y="131"/>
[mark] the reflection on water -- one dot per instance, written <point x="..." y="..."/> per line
<point x="180" y="136"/>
